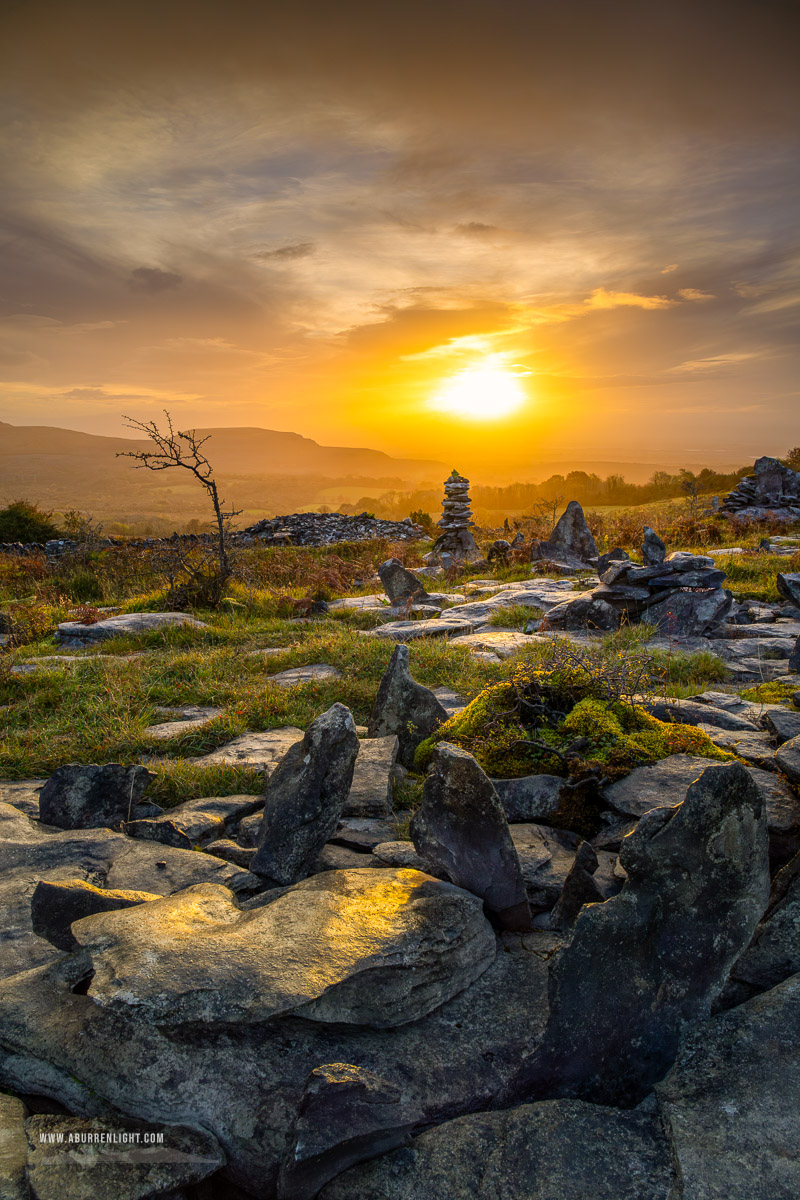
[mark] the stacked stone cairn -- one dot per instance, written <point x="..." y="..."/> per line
<point x="772" y="490"/>
<point x="455" y="544"/>
<point x="680" y="594"/>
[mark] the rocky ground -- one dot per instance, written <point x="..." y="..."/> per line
<point x="301" y="934"/>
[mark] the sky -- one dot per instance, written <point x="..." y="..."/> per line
<point x="491" y="231"/>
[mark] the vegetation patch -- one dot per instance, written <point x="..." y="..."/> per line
<point x="773" y="692"/>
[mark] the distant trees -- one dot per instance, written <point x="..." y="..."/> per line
<point x="22" y="521"/>
<point x="792" y="459"/>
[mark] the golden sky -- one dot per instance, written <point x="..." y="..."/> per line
<point x="370" y="223"/>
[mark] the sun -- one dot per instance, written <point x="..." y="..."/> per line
<point x="484" y="392"/>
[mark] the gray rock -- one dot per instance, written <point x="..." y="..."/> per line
<point x="651" y="960"/>
<point x="260" y="750"/>
<point x="774" y="952"/>
<point x="152" y="1161"/>
<point x="558" y="1150"/>
<point x="370" y="794"/>
<point x="123" y="625"/>
<point x="407" y="631"/>
<point x="461" y="829"/>
<point x="794" y="658"/>
<point x="604" y="561"/>
<point x="571" y="536"/>
<point x="784" y="723"/>
<point x="401" y="854"/>
<point x="693" y="712"/>
<point x="30" y="852"/>
<point x="579" y="888"/>
<point x="451" y="701"/>
<point x="531" y="797"/>
<point x="333" y="857"/>
<point x="13" y="1148"/>
<point x="754" y="747"/>
<point x="91" y="797"/>
<point x="296" y="676"/>
<point x="56" y="904"/>
<point x="304" y="798"/>
<point x="182" y="720"/>
<point x="582" y="613"/>
<point x="653" y="549"/>
<point x="365" y="947"/>
<point x="245" y="1085"/>
<point x="730" y="1103"/>
<point x="347" y="1115"/>
<point x="364" y="833"/>
<point x="546" y="857"/>
<point x="195" y="821"/>
<point x="405" y="708"/>
<point x="691" y="614"/>
<point x="232" y="852"/>
<point x="400" y="584"/>
<point x="788" y="586"/>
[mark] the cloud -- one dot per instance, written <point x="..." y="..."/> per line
<point x="695" y="294"/>
<point x="297" y="250"/>
<point x="153" y="279"/>
<point x="601" y="298"/>
<point x="476" y="229"/>
<point x="97" y="393"/>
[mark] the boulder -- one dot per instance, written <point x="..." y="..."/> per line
<point x="784" y="723"/>
<point x="400" y="584"/>
<point x="774" y="952"/>
<point x="653" y="959"/>
<point x="582" y="613"/>
<point x="653" y="549"/>
<point x="181" y="720"/>
<point x="604" y="561"/>
<point x="30" y="852"/>
<point x="546" y="857"/>
<point x="571" y="541"/>
<point x="405" y="708"/>
<point x="262" y="751"/>
<point x="304" y="798"/>
<point x="729" y="1105"/>
<point x="370" y="793"/>
<point x="557" y="1150"/>
<point x="195" y="820"/>
<point x="92" y="797"/>
<point x="787" y="759"/>
<point x="788" y="586"/>
<point x="346" y="1116"/>
<point x="364" y="947"/>
<point x="532" y="797"/>
<point x="245" y="1085"/>
<point x="579" y="888"/>
<point x="461" y="830"/>
<point x="690" y="614"/>
<point x="56" y="904"/>
<point x="794" y="658"/>
<point x="112" y="1158"/>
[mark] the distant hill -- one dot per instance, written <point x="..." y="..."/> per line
<point x="261" y="471"/>
<point x="243" y="451"/>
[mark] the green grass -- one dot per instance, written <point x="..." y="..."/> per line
<point x="773" y="692"/>
<point x="516" y="616"/>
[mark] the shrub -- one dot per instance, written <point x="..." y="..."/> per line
<point x="25" y="522"/>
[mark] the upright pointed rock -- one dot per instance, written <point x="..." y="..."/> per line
<point x="404" y="707"/>
<point x="304" y="797"/>
<point x="653" y="549"/>
<point x="644" y="965"/>
<point x="461" y="830"/>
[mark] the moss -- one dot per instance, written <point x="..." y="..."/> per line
<point x="774" y="692"/>
<point x="618" y="737"/>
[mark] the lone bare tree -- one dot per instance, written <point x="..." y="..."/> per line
<point x="183" y="448"/>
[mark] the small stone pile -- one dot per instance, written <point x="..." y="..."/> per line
<point x="455" y="543"/>
<point x="679" y="594"/>
<point x="320" y="529"/>
<point x="772" y="490"/>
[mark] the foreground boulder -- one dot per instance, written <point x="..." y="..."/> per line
<point x="29" y="852"/>
<point x="561" y="1150"/>
<point x="55" y="905"/>
<point x="774" y="952"/>
<point x="304" y="798"/>
<point x="730" y="1103"/>
<point x="13" y="1148"/>
<point x="101" y="1158"/>
<point x="363" y="947"/>
<point x="245" y="1085"/>
<point x="653" y="959"/>
<point x="347" y="1115"/>
<point x="91" y="797"/>
<point x="404" y="707"/>
<point x="461" y="830"/>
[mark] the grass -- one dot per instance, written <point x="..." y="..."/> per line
<point x="516" y="616"/>
<point x="97" y="710"/>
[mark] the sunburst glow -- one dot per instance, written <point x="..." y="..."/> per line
<point x="484" y="392"/>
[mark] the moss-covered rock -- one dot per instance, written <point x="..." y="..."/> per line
<point x="521" y="728"/>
